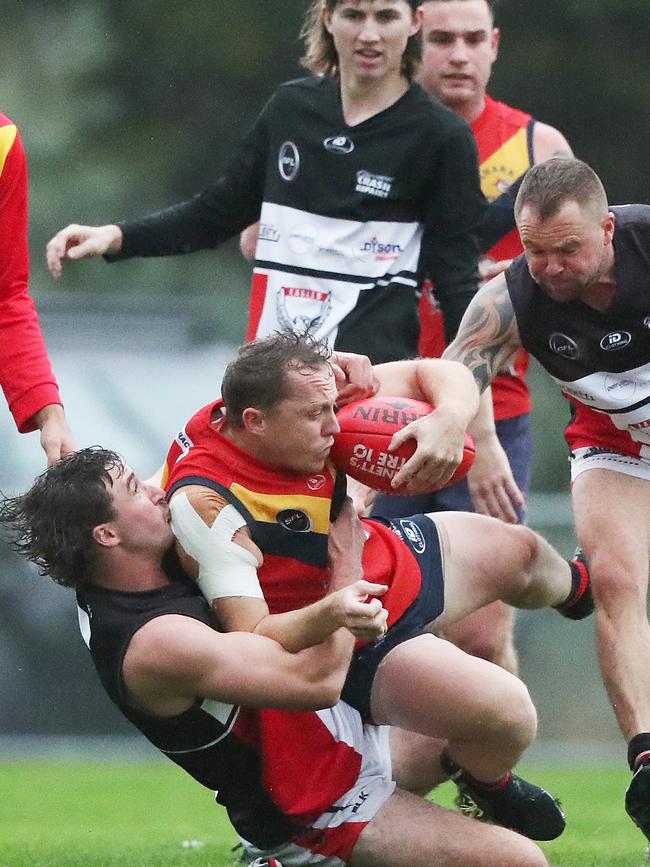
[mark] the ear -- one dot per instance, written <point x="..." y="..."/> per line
<point x="105" y="535"/>
<point x="418" y="17"/>
<point x="254" y="420"/>
<point x="496" y="39"/>
<point x="609" y="224"/>
<point x="326" y="18"/>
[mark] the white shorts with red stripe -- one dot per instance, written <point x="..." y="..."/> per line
<point x="602" y="458"/>
<point x="330" y="839"/>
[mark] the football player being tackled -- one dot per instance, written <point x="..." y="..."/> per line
<point x="252" y="492"/>
<point x="304" y="782"/>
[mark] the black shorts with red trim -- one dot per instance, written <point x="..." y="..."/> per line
<point x="420" y="534"/>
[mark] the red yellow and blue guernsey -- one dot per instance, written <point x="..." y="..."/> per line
<point x="288" y="515"/>
<point x="504" y="138"/>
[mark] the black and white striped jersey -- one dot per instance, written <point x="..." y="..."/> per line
<point x="601" y="359"/>
<point x="351" y="217"/>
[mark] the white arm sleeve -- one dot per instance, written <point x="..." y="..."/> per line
<point x="225" y="568"/>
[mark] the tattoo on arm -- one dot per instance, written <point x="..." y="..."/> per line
<point x="488" y="333"/>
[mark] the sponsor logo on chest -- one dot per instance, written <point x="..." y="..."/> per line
<point x="268" y="232"/>
<point x="616" y="340"/>
<point x="294" y="520"/>
<point x="379" y="250"/>
<point x="288" y="161"/>
<point x="374" y="185"/>
<point x="338" y="144"/>
<point x="302" y="309"/>
<point x="560" y="344"/>
<point x="619" y="389"/>
<point x="578" y="394"/>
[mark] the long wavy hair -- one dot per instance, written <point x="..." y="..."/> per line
<point x="52" y="524"/>
<point x="320" y="55"/>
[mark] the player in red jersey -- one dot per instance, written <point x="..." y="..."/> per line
<point x="301" y="786"/>
<point x="460" y="45"/>
<point x="578" y="300"/>
<point x="252" y="493"/>
<point x="25" y="373"/>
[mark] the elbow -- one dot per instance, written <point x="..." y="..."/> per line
<point x="332" y="691"/>
<point x="327" y="693"/>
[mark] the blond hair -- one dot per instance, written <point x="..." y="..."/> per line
<point x="320" y="55"/>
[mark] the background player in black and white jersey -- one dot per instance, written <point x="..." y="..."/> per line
<point x="364" y="184"/>
<point x="579" y="301"/>
<point x="94" y="526"/>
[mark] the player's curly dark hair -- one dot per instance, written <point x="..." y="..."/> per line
<point x="257" y="376"/>
<point x="52" y="524"/>
<point x="320" y="55"/>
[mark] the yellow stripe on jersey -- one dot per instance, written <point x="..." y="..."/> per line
<point x="265" y="507"/>
<point x="505" y="165"/>
<point x="7" y="138"/>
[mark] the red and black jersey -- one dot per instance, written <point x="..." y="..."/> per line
<point x="25" y="373"/>
<point x="288" y="514"/>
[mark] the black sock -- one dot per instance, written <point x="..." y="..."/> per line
<point x="579" y="581"/>
<point x="638" y="750"/>
<point x="579" y="603"/>
<point x="455" y="772"/>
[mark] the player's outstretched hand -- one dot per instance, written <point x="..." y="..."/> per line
<point x="491" y="484"/>
<point x="358" y="609"/>
<point x="77" y="242"/>
<point x="355" y="377"/>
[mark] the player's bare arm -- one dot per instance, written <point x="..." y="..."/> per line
<point x="488" y="334"/>
<point x="173" y="660"/>
<point x="487" y="337"/>
<point x="549" y="142"/>
<point x="450" y="388"/>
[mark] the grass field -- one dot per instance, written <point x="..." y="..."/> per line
<point x="150" y="815"/>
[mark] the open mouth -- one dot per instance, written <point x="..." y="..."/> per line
<point x="368" y="56"/>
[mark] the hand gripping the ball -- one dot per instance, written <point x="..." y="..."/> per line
<point x="400" y="445"/>
<point x="441" y="456"/>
